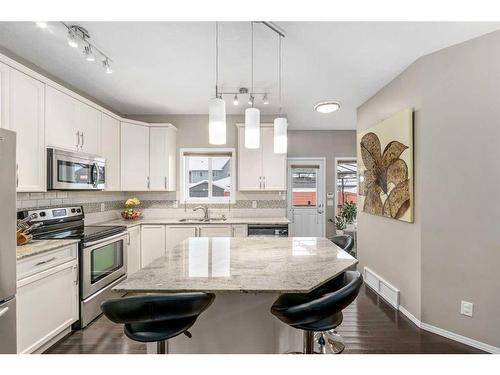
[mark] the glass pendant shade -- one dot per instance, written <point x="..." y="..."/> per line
<point x="217" y="122"/>
<point x="280" y="135"/>
<point x="252" y="128"/>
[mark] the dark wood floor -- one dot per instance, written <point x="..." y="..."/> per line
<point x="370" y="326"/>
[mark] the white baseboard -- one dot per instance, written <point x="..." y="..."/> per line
<point x="383" y="288"/>
<point x="410" y="316"/>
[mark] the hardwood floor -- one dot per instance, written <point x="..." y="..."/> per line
<point x="370" y="326"/>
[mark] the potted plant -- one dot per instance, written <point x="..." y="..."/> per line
<point x="349" y="212"/>
<point x="340" y="224"/>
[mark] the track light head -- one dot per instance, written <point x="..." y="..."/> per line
<point x="89" y="54"/>
<point x="235" y="100"/>
<point x="72" y="41"/>
<point x="251" y="100"/>
<point x="265" y="99"/>
<point x="107" y="67"/>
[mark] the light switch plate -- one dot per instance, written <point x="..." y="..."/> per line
<point x="467" y="308"/>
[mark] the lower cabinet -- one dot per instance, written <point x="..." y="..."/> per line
<point x="178" y="233"/>
<point x="152" y="243"/>
<point x="240" y="230"/>
<point x="134" y="250"/>
<point x="47" y="304"/>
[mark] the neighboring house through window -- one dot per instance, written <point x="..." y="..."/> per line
<point x="207" y="175"/>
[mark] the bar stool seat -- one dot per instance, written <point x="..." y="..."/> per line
<point x="344" y="241"/>
<point x="319" y="310"/>
<point x="157" y="318"/>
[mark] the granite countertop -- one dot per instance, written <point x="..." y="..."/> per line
<point x="170" y="221"/>
<point x="246" y="264"/>
<point x="41" y="246"/>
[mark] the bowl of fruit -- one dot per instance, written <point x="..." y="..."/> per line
<point x="131" y="213"/>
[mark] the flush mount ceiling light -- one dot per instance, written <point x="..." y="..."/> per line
<point x="41" y="24"/>
<point x="327" y="106"/>
<point x="217" y="105"/>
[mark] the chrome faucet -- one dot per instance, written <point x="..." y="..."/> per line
<point x="205" y="212"/>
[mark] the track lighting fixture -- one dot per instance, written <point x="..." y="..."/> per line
<point x="72" y="42"/>
<point x="107" y="67"/>
<point x="89" y="55"/>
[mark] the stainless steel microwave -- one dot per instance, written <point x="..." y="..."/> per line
<point x="67" y="170"/>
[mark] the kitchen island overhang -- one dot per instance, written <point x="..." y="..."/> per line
<point x="247" y="275"/>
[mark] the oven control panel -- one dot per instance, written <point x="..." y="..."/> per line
<point x="54" y="213"/>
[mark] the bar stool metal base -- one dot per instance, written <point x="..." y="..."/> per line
<point x="162" y="347"/>
<point x="330" y="341"/>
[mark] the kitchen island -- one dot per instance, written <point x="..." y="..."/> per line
<point x="247" y="275"/>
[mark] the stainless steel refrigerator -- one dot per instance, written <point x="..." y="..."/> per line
<point x="7" y="242"/>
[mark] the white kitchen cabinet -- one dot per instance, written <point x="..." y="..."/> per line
<point x="152" y="243"/>
<point x="134" y="250"/>
<point x="215" y="231"/>
<point x="26" y="118"/>
<point x="89" y="125"/>
<point x="260" y="169"/>
<point x="71" y="124"/>
<point x="47" y="304"/>
<point x="162" y="158"/>
<point x="175" y="234"/>
<point x="110" y="150"/>
<point x="4" y="95"/>
<point x="240" y="230"/>
<point x="134" y="157"/>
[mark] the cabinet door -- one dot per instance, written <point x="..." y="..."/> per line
<point x="4" y="97"/>
<point x="26" y="118"/>
<point x="47" y="303"/>
<point x="134" y="250"/>
<point x="178" y="233"/>
<point x="153" y="243"/>
<point x="172" y="159"/>
<point x="240" y="230"/>
<point x="89" y="125"/>
<point x="215" y="231"/>
<point x="61" y="120"/>
<point x="273" y="165"/>
<point x="249" y="164"/>
<point x="158" y="158"/>
<point x="110" y="150"/>
<point x="134" y="157"/>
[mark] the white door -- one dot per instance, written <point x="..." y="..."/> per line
<point x="306" y="195"/>
<point x="177" y="233"/>
<point x="134" y="157"/>
<point x="249" y="164"/>
<point x="153" y="243"/>
<point x="61" y="120"/>
<point x="215" y="231"/>
<point x="89" y="125"/>
<point x="26" y="118"/>
<point x="110" y="150"/>
<point x="273" y="165"/>
<point x="134" y="250"/>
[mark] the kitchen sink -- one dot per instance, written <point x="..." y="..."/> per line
<point x="191" y="220"/>
<point x="211" y="220"/>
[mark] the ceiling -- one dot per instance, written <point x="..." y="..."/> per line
<point x="169" y="67"/>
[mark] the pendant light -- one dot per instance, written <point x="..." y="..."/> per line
<point x="217" y="106"/>
<point x="252" y="118"/>
<point x="280" y="123"/>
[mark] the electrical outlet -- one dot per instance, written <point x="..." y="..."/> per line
<point x="254" y="204"/>
<point x="102" y="207"/>
<point x="467" y="308"/>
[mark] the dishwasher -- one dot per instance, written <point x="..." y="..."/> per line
<point x="268" y="230"/>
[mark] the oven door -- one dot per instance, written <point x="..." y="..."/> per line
<point x="102" y="263"/>
<point x="75" y="171"/>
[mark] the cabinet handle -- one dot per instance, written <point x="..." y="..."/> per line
<point x="17" y="175"/>
<point x="148" y="182"/>
<point x="83" y="141"/>
<point x="264" y="178"/>
<point x="128" y="233"/>
<point x="165" y="182"/>
<point x="45" y="261"/>
<point x="260" y="182"/>
<point x="77" y="278"/>
<point x="77" y="140"/>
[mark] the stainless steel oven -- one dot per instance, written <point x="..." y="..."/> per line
<point x="67" y="170"/>
<point x="103" y="264"/>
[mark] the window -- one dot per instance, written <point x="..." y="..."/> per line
<point x="347" y="183"/>
<point x="304" y="186"/>
<point x="208" y="175"/>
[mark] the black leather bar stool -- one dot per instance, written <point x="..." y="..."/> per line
<point x="344" y="241"/>
<point x="157" y="318"/>
<point x="320" y="311"/>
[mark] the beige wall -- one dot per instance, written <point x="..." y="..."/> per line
<point x="329" y="144"/>
<point x="451" y="252"/>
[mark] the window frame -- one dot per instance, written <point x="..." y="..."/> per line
<point x="184" y="174"/>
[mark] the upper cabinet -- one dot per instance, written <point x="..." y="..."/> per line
<point x="162" y="156"/>
<point x="110" y="150"/>
<point x="26" y="117"/>
<point x="134" y="157"/>
<point x="71" y="124"/>
<point x="260" y="169"/>
<point x="4" y="94"/>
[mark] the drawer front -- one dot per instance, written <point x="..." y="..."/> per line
<point x="42" y="262"/>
